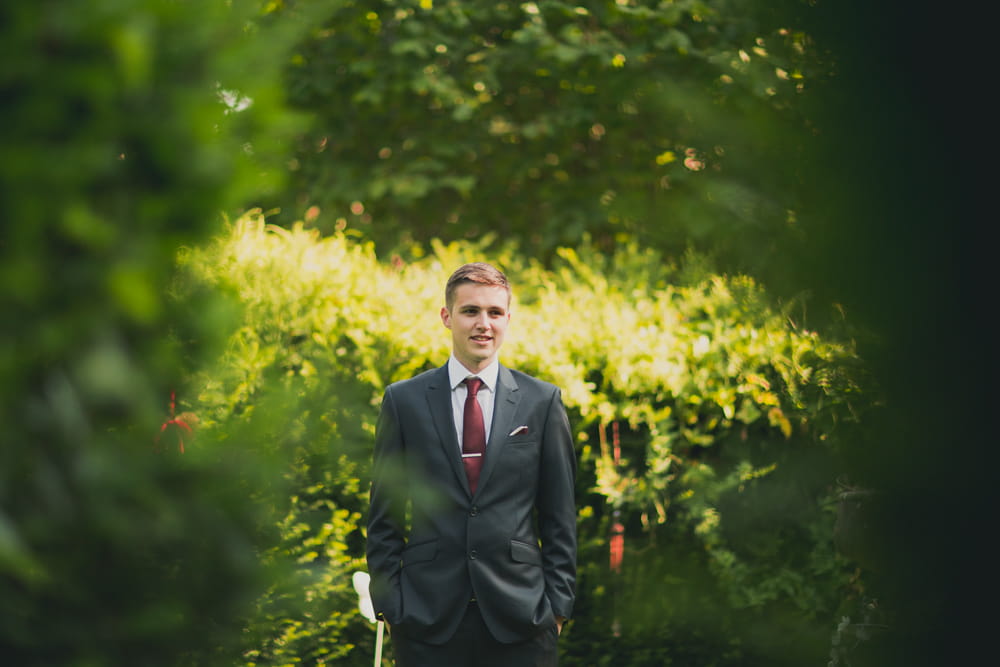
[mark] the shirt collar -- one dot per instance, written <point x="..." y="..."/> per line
<point x="457" y="373"/>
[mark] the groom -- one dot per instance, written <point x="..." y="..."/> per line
<point x="472" y="520"/>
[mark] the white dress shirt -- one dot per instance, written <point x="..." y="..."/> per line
<point x="487" y="392"/>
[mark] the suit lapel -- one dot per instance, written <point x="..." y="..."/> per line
<point x="439" y="405"/>
<point x="504" y="410"/>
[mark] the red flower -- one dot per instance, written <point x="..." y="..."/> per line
<point x="182" y="424"/>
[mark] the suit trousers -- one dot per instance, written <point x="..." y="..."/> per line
<point x="473" y="646"/>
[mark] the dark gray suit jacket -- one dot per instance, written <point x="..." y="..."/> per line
<point x="433" y="546"/>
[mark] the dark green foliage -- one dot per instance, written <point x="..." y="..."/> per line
<point x="115" y="149"/>
<point x="900" y="239"/>
<point x="670" y="123"/>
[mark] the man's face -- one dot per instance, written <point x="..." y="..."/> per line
<point x="478" y="321"/>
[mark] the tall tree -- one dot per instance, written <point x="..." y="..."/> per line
<point x="670" y="123"/>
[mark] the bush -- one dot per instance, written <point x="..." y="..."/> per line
<point x="115" y="149"/>
<point x="721" y="408"/>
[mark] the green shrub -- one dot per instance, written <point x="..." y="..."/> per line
<point x="724" y="411"/>
<point x="115" y="149"/>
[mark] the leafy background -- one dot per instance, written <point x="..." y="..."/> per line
<point x="724" y="410"/>
<point x="763" y="221"/>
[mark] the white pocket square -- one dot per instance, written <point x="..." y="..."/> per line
<point x="518" y="431"/>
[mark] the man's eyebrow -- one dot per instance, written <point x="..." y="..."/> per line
<point x="472" y="306"/>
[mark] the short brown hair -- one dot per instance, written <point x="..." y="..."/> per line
<point x="479" y="273"/>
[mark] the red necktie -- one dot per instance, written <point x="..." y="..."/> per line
<point x="473" y="433"/>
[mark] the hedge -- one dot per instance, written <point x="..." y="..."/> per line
<point x="724" y="411"/>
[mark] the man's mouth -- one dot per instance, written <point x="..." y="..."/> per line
<point x="482" y="339"/>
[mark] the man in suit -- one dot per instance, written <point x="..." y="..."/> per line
<point x="472" y="520"/>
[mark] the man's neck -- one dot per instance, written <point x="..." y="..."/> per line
<point x="459" y="371"/>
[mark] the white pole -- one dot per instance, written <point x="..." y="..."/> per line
<point x="378" y="643"/>
<point x="361" y="584"/>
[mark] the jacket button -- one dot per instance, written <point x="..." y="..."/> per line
<point x="472" y="555"/>
<point x="474" y="511"/>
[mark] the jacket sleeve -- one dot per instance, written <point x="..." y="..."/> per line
<point x="386" y="513"/>
<point x="556" y="506"/>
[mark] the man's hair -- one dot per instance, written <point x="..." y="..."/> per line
<point x="479" y="273"/>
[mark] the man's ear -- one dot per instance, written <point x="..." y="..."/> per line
<point x="445" y="317"/>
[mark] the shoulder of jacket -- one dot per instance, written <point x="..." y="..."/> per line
<point x="418" y="381"/>
<point x="525" y="380"/>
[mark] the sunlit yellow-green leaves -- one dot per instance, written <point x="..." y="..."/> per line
<point x="694" y="371"/>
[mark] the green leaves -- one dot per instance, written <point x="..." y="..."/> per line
<point x="711" y="397"/>
<point x="112" y="553"/>
<point x="544" y="108"/>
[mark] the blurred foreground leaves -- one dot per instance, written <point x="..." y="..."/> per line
<point x="115" y="149"/>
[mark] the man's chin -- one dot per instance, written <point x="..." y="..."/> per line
<point x="478" y="360"/>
